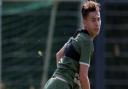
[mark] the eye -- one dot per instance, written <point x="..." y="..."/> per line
<point x="93" y="19"/>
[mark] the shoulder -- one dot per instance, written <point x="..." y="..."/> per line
<point x="84" y="39"/>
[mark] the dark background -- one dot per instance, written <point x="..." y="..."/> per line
<point x="24" y="38"/>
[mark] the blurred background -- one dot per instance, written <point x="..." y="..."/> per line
<point x="34" y="30"/>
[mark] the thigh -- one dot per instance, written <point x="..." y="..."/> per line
<point x="54" y="83"/>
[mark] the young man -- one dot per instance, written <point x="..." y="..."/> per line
<point x="74" y="57"/>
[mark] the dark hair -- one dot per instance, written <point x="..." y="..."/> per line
<point x="89" y="6"/>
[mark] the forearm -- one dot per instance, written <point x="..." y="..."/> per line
<point x="60" y="54"/>
<point x="85" y="83"/>
<point x="58" y="57"/>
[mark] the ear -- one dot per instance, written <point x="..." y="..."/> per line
<point x="84" y="22"/>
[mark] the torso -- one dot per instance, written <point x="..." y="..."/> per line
<point x="67" y="66"/>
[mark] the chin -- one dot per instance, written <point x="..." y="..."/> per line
<point x="96" y="33"/>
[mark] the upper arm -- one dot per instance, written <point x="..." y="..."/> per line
<point x="85" y="52"/>
<point x="85" y="48"/>
<point x="84" y="80"/>
<point x="83" y="71"/>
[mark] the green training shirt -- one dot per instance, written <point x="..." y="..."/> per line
<point x="67" y="66"/>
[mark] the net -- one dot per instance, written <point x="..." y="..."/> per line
<point x="13" y="7"/>
<point x="24" y="38"/>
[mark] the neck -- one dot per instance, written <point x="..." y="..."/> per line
<point x="90" y="34"/>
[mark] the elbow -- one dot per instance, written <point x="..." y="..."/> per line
<point x="57" y="55"/>
<point x="83" y="77"/>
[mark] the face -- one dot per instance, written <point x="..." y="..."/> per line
<point x="93" y="22"/>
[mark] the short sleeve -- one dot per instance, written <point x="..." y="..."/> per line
<point x="84" y="47"/>
<point x="86" y="52"/>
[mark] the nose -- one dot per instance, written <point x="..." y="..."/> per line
<point x="98" y="22"/>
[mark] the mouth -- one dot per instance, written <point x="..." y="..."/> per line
<point x="97" y="29"/>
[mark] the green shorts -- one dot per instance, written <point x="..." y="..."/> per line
<point x="54" y="83"/>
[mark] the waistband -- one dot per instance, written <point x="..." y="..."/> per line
<point x="60" y="78"/>
<point x="71" y="85"/>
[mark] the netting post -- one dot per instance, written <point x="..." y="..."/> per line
<point x="49" y="44"/>
<point x="0" y="43"/>
<point x="80" y="15"/>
